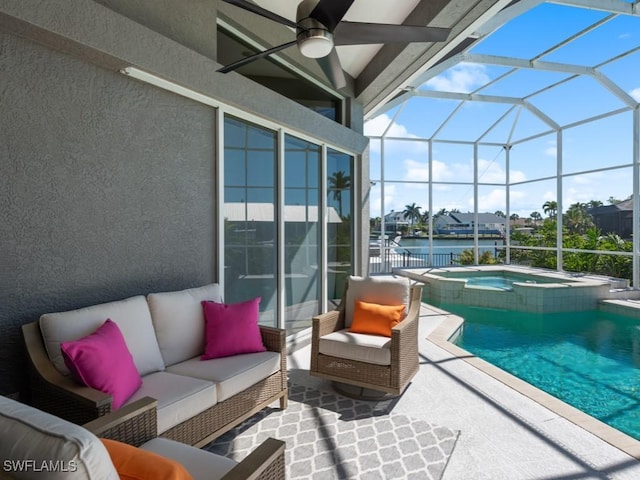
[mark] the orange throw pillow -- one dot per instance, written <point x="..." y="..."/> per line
<point x="133" y="463"/>
<point x="375" y="319"/>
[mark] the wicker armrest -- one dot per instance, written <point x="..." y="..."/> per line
<point x="412" y="315"/>
<point x="54" y="392"/>
<point x="274" y="339"/>
<point x="327" y="323"/>
<point x="133" y="424"/>
<point x="263" y="463"/>
<point x="404" y="342"/>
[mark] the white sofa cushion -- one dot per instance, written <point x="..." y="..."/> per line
<point x="179" y="397"/>
<point x="200" y="463"/>
<point x="179" y="321"/>
<point x="132" y="317"/>
<point x="53" y="448"/>
<point x="357" y="346"/>
<point x="380" y="290"/>
<point x="231" y="374"/>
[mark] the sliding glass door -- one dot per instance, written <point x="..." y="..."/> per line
<point x="277" y="209"/>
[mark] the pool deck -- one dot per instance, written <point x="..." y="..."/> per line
<point x="506" y="431"/>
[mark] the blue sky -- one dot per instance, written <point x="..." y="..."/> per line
<point x="596" y="145"/>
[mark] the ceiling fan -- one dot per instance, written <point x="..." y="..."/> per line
<point x="319" y="28"/>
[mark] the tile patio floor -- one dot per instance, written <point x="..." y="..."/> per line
<point x="504" y="434"/>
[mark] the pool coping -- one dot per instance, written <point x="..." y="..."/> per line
<point x="450" y="325"/>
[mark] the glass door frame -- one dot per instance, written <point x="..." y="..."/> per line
<point x="221" y="112"/>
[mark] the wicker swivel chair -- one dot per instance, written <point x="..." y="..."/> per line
<point x="370" y="362"/>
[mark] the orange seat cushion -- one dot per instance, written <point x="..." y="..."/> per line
<point x="374" y="319"/>
<point x="133" y="463"/>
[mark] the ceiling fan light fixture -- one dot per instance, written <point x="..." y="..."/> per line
<point x="315" y="43"/>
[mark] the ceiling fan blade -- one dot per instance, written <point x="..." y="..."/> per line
<point x="330" y="12"/>
<point x="253" y="58"/>
<point x="252" y="7"/>
<point x="331" y="67"/>
<point x="355" y="33"/>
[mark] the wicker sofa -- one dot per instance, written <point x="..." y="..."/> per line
<point x="197" y="401"/>
<point x="31" y="437"/>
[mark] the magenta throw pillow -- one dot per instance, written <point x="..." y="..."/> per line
<point x="231" y="329"/>
<point x="101" y="360"/>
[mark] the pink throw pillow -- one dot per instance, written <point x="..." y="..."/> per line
<point x="101" y="360"/>
<point x="231" y="329"/>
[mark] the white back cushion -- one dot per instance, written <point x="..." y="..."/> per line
<point x="45" y="446"/>
<point x="178" y="319"/>
<point x="133" y="318"/>
<point x="380" y="290"/>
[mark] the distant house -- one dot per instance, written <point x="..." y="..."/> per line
<point x="394" y="222"/>
<point x="463" y="224"/>
<point x="616" y="218"/>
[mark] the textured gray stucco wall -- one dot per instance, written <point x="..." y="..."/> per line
<point x="106" y="190"/>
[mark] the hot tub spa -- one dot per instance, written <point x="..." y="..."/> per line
<point x="514" y="288"/>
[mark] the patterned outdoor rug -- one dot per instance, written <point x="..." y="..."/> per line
<point x="329" y="436"/>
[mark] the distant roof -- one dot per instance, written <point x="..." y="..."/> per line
<point x="625" y="205"/>
<point x="482" y="217"/>
<point x="263" y="212"/>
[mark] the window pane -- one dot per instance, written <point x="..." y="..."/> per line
<point x="249" y="260"/>
<point x="339" y="228"/>
<point x="302" y="233"/>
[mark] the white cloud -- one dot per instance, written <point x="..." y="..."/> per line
<point x="490" y="202"/>
<point x="552" y="149"/>
<point x="416" y="171"/>
<point x="378" y="125"/>
<point x="635" y="93"/>
<point x="464" y="77"/>
<point x="441" y="171"/>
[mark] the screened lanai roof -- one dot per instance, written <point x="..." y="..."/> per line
<point x="537" y="114"/>
<point x="535" y="67"/>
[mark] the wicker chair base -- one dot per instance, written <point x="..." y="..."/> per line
<point x="361" y="393"/>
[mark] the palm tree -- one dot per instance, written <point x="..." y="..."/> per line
<point x="514" y="217"/>
<point x="577" y="219"/>
<point x="339" y="181"/>
<point x="535" y="216"/>
<point x="412" y="213"/>
<point x="499" y="213"/>
<point x="550" y="207"/>
<point x="441" y="212"/>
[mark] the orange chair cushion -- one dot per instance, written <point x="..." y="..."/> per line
<point x="374" y="319"/>
<point x="133" y="463"/>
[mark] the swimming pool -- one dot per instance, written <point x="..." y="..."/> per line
<point x="588" y="359"/>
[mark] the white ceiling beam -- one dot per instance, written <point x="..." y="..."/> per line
<point x="613" y="87"/>
<point x="531" y="64"/>
<point x="613" y="6"/>
<point x="541" y="115"/>
<point x="413" y="79"/>
<point x="471" y="97"/>
<point x="506" y="15"/>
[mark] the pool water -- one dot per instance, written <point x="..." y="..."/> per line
<point x="590" y="359"/>
<point x="496" y="282"/>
